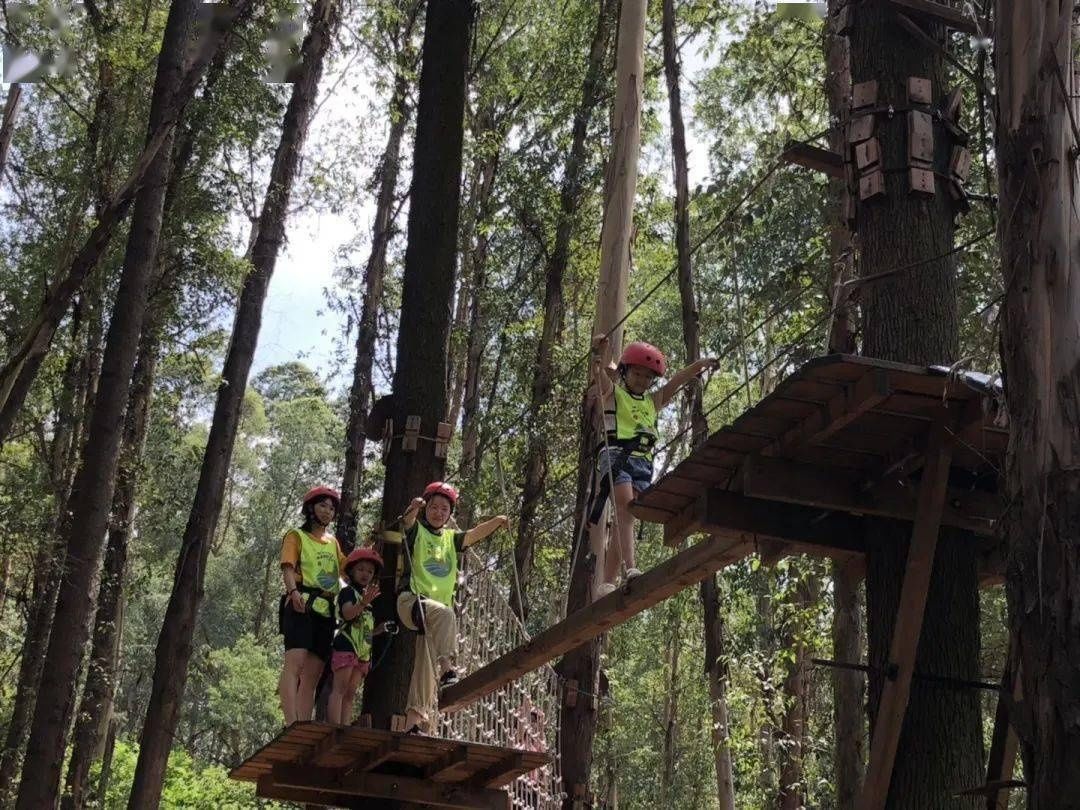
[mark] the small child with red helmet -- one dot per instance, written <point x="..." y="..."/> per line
<point x="351" y="657"/>
<point x="425" y="600"/>
<point x="625" y="456"/>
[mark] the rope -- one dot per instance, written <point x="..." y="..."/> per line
<point x="513" y="545"/>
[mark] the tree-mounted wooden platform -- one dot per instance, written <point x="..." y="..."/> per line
<point x="320" y="763"/>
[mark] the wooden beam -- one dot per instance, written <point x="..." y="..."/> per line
<point x="266" y="788"/>
<point x="500" y="772"/>
<point x="1004" y="743"/>
<point x="450" y="760"/>
<point x="683" y="569"/>
<point x="839" y="490"/>
<point x="909" y="620"/>
<point x="731" y="514"/>
<point x="370" y="760"/>
<point x="387" y="787"/>
<point x="937" y="13"/>
<point x="813" y="157"/>
<point x="870" y="390"/>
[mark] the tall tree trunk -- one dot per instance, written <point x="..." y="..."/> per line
<point x="7" y="123"/>
<point x="361" y="392"/>
<point x="96" y="706"/>
<point x="849" y="719"/>
<point x="543" y="376"/>
<point x="420" y="375"/>
<point x="797" y="627"/>
<point x="913" y="317"/>
<point x="48" y="562"/>
<point x="578" y="721"/>
<point x="1040" y="350"/>
<point x="20" y="368"/>
<point x="670" y="719"/>
<point x="174" y="646"/>
<point x="716" y="675"/>
<point x="85" y="522"/>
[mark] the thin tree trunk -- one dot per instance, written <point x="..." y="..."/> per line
<point x="174" y="647"/>
<point x="670" y="719"/>
<point x="420" y="375"/>
<point x="1040" y="350"/>
<point x="360" y="395"/>
<point x="25" y="358"/>
<point x="96" y="706"/>
<point x="716" y="675"/>
<point x="792" y="793"/>
<point x="7" y="123"/>
<point x="543" y="376"/>
<point x="578" y="722"/>
<point x="849" y="718"/>
<point x="913" y="317"/>
<point x="85" y="522"/>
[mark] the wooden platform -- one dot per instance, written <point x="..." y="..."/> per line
<point x="841" y="438"/>
<point x="320" y="763"/>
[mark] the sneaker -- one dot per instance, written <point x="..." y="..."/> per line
<point x="632" y="572"/>
<point x="449" y="678"/>
<point x="604" y="589"/>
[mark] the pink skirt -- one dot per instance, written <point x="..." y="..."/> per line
<point x="348" y="660"/>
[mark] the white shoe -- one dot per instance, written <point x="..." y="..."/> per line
<point x="604" y="588"/>
<point x="632" y="572"/>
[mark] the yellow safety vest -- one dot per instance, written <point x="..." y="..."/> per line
<point x="359" y="632"/>
<point x="633" y="423"/>
<point x="319" y="572"/>
<point x="434" y="567"/>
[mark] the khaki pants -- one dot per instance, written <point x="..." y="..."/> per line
<point x="438" y="641"/>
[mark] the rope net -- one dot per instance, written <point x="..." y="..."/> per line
<point x="523" y="714"/>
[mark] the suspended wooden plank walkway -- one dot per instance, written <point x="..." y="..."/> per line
<point x="320" y="763"/>
<point x="840" y="439"/>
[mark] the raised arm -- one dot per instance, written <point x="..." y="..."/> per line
<point x="408" y="517"/>
<point x="599" y="371"/>
<point x="681" y="378"/>
<point x="482" y="530"/>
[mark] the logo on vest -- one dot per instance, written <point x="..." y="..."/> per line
<point x="437" y="568"/>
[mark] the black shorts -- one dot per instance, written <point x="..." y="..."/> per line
<point x="306" y="631"/>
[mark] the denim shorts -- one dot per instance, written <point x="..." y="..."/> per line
<point x="635" y="470"/>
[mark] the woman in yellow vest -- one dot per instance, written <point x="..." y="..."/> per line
<point x="425" y="601"/>
<point x="311" y="565"/>
<point x="625" y="457"/>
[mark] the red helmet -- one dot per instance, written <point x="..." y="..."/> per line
<point x="315" y="493"/>
<point x="640" y="353"/>
<point x="440" y="488"/>
<point x="363" y="553"/>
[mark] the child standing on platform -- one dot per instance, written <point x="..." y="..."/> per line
<point x="630" y="414"/>
<point x="351" y="656"/>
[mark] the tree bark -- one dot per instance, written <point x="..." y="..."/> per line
<point x="792" y="793"/>
<point x="83" y="529"/>
<point x="670" y="719"/>
<point x="420" y="374"/>
<point x="1040" y="350"/>
<point x="912" y="316"/>
<point x="174" y="646"/>
<point x="551" y="331"/>
<point x="716" y="675"/>
<point x="578" y="721"/>
<point x="20" y="368"/>
<point x="7" y="123"/>
<point x="361" y="392"/>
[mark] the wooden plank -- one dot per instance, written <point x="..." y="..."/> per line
<point x="834" y="415"/>
<point x="370" y="760"/>
<point x="813" y="157"/>
<point x="267" y="789"/>
<point x="387" y="787"/>
<point x="671" y="576"/>
<point x="937" y="13"/>
<point x="447" y="762"/>
<point x="835" y="489"/>
<point x="323" y="746"/>
<point x="885" y="737"/>
<point x="501" y="772"/>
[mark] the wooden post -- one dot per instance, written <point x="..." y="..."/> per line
<point x="1004" y="742"/>
<point x="909" y="619"/>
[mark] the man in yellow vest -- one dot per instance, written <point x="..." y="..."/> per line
<point x="625" y="456"/>
<point x="425" y="601"/>
<point x="311" y="565"/>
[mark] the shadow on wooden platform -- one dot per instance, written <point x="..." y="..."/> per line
<point x="324" y="764"/>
